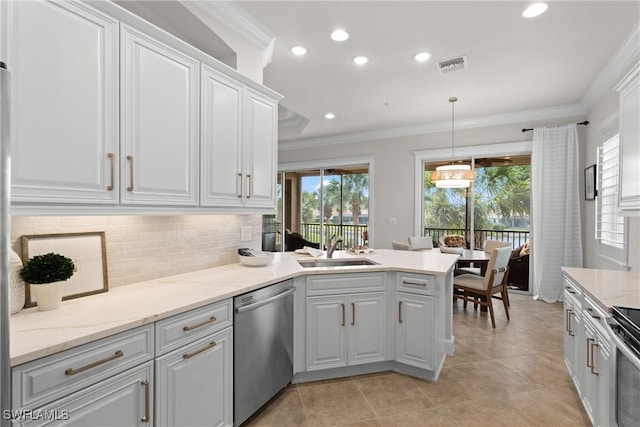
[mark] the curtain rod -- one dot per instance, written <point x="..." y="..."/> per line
<point x="586" y="122"/>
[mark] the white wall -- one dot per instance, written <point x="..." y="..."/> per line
<point x="394" y="174"/>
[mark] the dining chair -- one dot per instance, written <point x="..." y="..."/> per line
<point x="419" y="243"/>
<point x="480" y="289"/>
<point x="489" y="246"/>
<point x="399" y="246"/>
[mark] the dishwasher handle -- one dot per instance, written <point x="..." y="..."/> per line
<point x="266" y="301"/>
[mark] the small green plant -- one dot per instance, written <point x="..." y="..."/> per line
<point x="47" y="268"/>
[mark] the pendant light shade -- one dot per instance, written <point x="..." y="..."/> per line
<point x="453" y="176"/>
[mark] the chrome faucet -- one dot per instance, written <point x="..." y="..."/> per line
<point x="331" y="247"/>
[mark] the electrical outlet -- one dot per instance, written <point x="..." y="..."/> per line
<point x="245" y="233"/>
<point x="392" y="221"/>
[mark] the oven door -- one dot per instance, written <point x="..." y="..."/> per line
<point x="627" y="387"/>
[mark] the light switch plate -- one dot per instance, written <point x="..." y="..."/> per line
<point x="245" y="233"/>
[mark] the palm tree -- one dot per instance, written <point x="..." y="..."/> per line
<point x="356" y="193"/>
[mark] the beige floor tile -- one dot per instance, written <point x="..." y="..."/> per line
<point x="393" y="394"/>
<point x="284" y="410"/>
<point x="334" y="404"/>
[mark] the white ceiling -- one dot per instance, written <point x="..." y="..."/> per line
<point x="514" y="64"/>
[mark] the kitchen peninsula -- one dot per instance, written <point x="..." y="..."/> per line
<point x="411" y="287"/>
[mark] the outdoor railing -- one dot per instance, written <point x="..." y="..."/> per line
<point x="515" y="237"/>
<point x="351" y="234"/>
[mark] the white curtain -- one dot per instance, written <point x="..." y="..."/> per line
<point x="555" y="208"/>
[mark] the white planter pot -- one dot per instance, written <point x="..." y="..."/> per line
<point x="48" y="295"/>
<point x="17" y="284"/>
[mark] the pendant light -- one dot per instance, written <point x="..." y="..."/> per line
<point x="453" y="176"/>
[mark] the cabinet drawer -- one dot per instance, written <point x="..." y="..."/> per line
<point x="41" y="381"/>
<point x="416" y="283"/>
<point x="597" y="315"/>
<point x="184" y="328"/>
<point x="572" y="288"/>
<point x="326" y="284"/>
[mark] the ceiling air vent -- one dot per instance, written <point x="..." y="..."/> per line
<point x="454" y="64"/>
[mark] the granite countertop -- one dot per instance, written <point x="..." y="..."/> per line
<point x="35" y="334"/>
<point x="608" y="287"/>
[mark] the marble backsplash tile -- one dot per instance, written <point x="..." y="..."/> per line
<point x="148" y="247"/>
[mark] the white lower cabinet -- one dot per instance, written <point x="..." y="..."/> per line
<point x="195" y="383"/>
<point x="123" y="400"/>
<point x="588" y="352"/>
<point x="345" y="330"/>
<point x="415" y="330"/>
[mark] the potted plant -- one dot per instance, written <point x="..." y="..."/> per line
<point x="47" y="273"/>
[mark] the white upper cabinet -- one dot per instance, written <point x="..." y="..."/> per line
<point x="239" y="144"/>
<point x="221" y="154"/>
<point x="629" y="191"/>
<point x="63" y="59"/>
<point x="160" y="123"/>
<point x="261" y="144"/>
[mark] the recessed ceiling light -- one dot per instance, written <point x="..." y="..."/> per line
<point x="339" y="35"/>
<point x="299" y="50"/>
<point x="422" y="56"/>
<point x="534" y="10"/>
<point x="360" y="60"/>
<point x="329" y="116"/>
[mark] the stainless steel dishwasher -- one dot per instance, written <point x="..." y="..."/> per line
<point x="263" y="347"/>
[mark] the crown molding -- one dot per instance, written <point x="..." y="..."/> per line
<point x="239" y="21"/>
<point x="622" y="60"/>
<point x="528" y="116"/>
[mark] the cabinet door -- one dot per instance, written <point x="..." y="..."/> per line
<point x="605" y="400"/>
<point x="64" y="99"/>
<point x="160" y="123"/>
<point x="221" y="151"/>
<point x="629" y="192"/>
<point x="367" y="328"/>
<point x="415" y="330"/>
<point x="123" y="400"/>
<point x="194" y="384"/>
<point x="261" y="145"/>
<point x="326" y="332"/>
<point x="573" y="337"/>
<point x="589" y="380"/>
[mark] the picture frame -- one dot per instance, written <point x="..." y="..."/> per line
<point x="590" y="182"/>
<point x="88" y="252"/>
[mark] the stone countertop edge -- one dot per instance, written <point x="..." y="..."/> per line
<point x="36" y="334"/>
<point x="608" y="287"/>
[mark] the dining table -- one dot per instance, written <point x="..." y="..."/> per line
<point x="471" y="257"/>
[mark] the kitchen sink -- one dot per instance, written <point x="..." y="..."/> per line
<point x="338" y="262"/>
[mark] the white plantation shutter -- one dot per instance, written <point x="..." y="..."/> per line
<point x="610" y="227"/>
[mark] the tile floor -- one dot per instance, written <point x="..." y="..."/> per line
<point x="513" y="375"/>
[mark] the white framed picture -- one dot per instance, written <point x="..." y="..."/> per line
<point x="86" y="250"/>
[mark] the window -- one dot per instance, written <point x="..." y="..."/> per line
<point x="610" y="227"/>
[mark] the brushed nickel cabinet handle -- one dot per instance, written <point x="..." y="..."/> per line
<point x="343" y="315"/>
<point x="241" y="186"/>
<point x="130" y="159"/>
<point x="195" y="353"/>
<point x="410" y="282"/>
<point x="249" y="186"/>
<point x="589" y="353"/>
<point x="112" y="167"/>
<point x="595" y="316"/>
<point x="353" y="314"/>
<point x="593" y="360"/>
<point x="196" y="326"/>
<point x="571" y="291"/>
<point x="571" y="333"/>
<point x="146" y="418"/>
<point x="72" y="371"/>
<point x="400" y="312"/>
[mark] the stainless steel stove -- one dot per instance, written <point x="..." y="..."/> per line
<point x="625" y="325"/>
